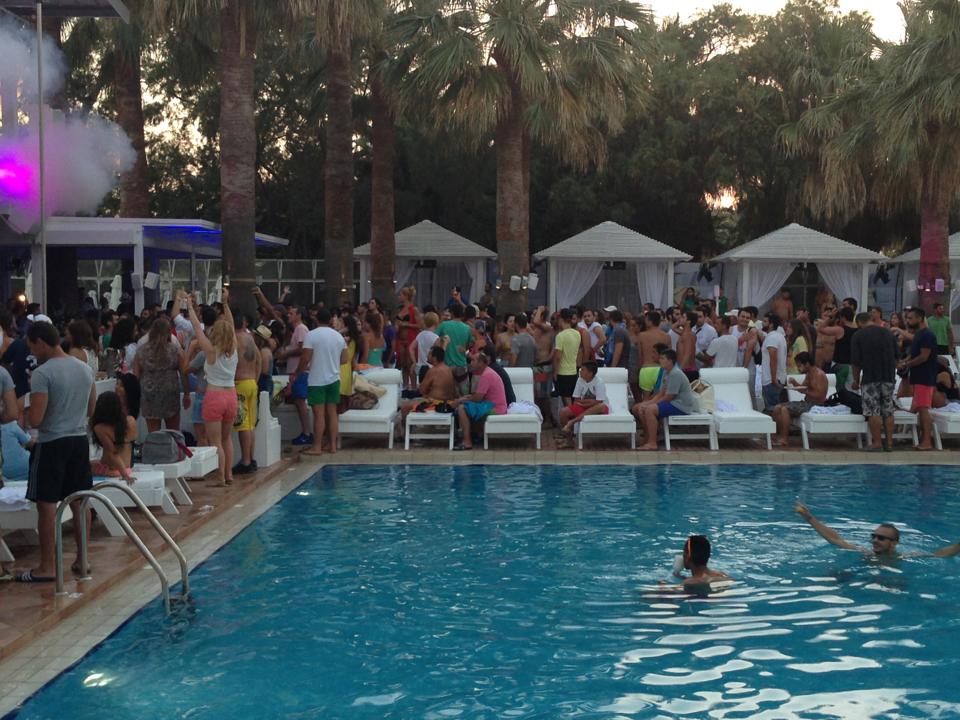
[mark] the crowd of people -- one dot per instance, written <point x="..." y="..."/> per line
<point x="214" y="364"/>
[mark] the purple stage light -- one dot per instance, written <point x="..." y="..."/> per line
<point x="16" y="180"/>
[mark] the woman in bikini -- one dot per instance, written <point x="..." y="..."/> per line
<point x="113" y="431"/>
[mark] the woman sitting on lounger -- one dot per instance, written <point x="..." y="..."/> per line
<point x="114" y="431"/>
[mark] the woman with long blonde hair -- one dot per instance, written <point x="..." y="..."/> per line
<point x="219" y="345"/>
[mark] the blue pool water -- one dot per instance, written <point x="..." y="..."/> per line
<point x="513" y="592"/>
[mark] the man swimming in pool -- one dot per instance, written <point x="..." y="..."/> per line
<point x="696" y="555"/>
<point x="884" y="539"/>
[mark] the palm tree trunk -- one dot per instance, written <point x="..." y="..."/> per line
<point x="238" y="148"/>
<point x="134" y="193"/>
<point x="382" y="241"/>
<point x="934" y="245"/>
<point x="338" y="175"/>
<point x="513" y="204"/>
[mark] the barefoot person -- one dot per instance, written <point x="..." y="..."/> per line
<point x="324" y="351"/>
<point x="675" y="398"/>
<point x="437" y="388"/>
<point x="589" y="398"/>
<point x="883" y="540"/>
<point x="488" y="398"/>
<point x="114" y="431"/>
<point x="814" y="388"/>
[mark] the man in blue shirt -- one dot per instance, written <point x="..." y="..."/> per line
<point x="923" y="367"/>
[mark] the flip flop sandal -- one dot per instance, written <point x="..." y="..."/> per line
<point x="29" y="577"/>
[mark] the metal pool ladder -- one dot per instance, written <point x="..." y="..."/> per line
<point x="123" y="521"/>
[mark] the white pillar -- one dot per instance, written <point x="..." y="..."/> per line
<point x="744" y="282"/>
<point x="38" y="272"/>
<point x="671" y="280"/>
<point x="138" y="270"/>
<point x="864" y="287"/>
<point x="365" y="290"/>
<point x="552" y="289"/>
<point x="479" y="278"/>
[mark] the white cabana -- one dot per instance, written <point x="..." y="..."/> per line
<point x="574" y="265"/>
<point x="434" y="259"/>
<point x="910" y="262"/>
<point x="144" y="241"/>
<point x="762" y="266"/>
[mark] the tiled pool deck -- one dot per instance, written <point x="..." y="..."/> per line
<point x="41" y="635"/>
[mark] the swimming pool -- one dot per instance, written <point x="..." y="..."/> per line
<point x="495" y="591"/>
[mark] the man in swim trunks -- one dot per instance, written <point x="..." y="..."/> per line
<point x="696" y="555"/>
<point x="884" y="539"/>
<point x="488" y="398"/>
<point x="248" y="393"/>
<point x="647" y="340"/>
<point x="438" y="387"/>
<point x="589" y="397"/>
<point x="814" y="388"/>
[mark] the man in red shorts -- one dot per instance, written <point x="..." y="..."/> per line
<point x="923" y="367"/>
<point x="589" y="398"/>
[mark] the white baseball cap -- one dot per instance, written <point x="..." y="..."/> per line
<point x="610" y="308"/>
<point x="39" y="317"/>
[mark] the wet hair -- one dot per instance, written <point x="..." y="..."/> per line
<point x="437" y="353"/>
<point x="591" y="367"/>
<point x="803" y="358"/>
<point x="131" y="388"/>
<point x="43" y="332"/>
<point x="109" y="411"/>
<point x="697" y="550"/>
<point x="892" y="529"/>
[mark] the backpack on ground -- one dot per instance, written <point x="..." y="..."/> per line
<point x="164" y="447"/>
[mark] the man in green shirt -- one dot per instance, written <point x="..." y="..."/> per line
<point x="940" y="324"/>
<point x="455" y="338"/>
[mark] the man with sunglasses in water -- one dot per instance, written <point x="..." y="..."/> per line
<point x="884" y="539"/>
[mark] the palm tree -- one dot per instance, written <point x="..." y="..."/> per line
<point x="891" y="138"/>
<point x="118" y="47"/>
<point x="527" y="71"/>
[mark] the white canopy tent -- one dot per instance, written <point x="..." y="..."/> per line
<point x="431" y="254"/>
<point x="144" y="240"/>
<point x="762" y="266"/>
<point x="911" y="272"/>
<point x="574" y="265"/>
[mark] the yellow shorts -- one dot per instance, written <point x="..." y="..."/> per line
<point x="248" y="393"/>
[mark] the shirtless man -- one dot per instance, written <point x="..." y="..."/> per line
<point x="687" y="345"/>
<point x="814" y="387"/>
<point x="543" y="334"/>
<point x="438" y="384"/>
<point x="883" y="540"/>
<point x="249" y="363"/>
<point x="647" y="339"/>
<point x="828" y="330"/>
<point x="586" y="344"/>
<point x="782" y="305"/>
<point x="696" y="555"/>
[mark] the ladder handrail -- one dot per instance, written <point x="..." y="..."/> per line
<point x="126" y="489"/>
<point x="112" y="509"/>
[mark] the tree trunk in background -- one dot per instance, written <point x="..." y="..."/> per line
<point x="238" y="149"/>
<point x="934" y="244"/>
<point x="513" y="205"/>
<point x="338" y="180"/>
<point x="134" y="191"/>
<point x="382" y="225"/>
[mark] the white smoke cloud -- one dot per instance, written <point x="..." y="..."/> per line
<point x="84" y="155"/>
<point x="18" y="62"/>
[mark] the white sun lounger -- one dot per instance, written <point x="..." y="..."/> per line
<point x="150" y="486"/>
<point x="619" y="421"/>
<point x="379" y="420"/>
<point x="817" y="424"/>
<point x="18" y="513"/>
<point x="515" y="424"/>
<point x="731" y="389"/>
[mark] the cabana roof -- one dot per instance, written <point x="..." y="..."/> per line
<point x="69" y="8"/>
<point x="611" y="241"/>
<point x="427" y="240"/>
<point x="914" y="255"/>
<point x="801" y="244"/>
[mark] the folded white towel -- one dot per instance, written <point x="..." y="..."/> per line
<point x="524" y="407"/>
<point x="13" y="497"/>
<point x="832" y="410"/>
<point x="951" y="407"/>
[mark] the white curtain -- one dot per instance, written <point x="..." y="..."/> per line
<point x="766" y="279"/>
<point x="844" y="279"/>
<point x="652" y="283"/>
<point x="574" y="280"/>
<point x="403" y="271"/>
<point x="474" y="297"/>
<point x="954" y="292"/>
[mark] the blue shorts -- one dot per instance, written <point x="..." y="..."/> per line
<point x="478" y="411"/>
<point x="300" y="388"/>
<point x="197" y="417"/>
<point x="668" y="409"/>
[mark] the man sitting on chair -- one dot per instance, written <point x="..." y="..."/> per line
<point x="589" y="397"/>
<point x="814" y="388"/>
<point x="675" y="397"/>
<point x="438" y="387"/>
<point x="488" y="398"/>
